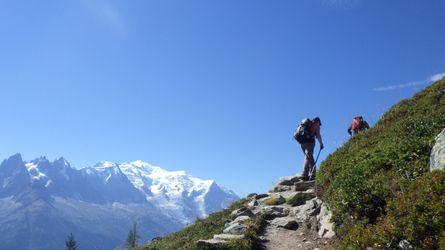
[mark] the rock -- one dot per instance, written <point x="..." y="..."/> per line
<point x="289" y="181"/>
<point x="210" y="244"/>
<point x="253" y="203"/>
<point x="274" y="200"/>
<point x="273" y="212"/>
<point x="235" y="228"/>
<point x="405" y="245"/>
<point x="241" y="219"/>
<point x="304" y="185"/>
<point x="280" y="188"/>
<point x="326" y="227"/>
<point x="437" y="158"/>
<point x="241" y="212"/>
<point x="299" y="199"/>
<point x="285" y="222"/>
<point x="260" y="196"/>
<point x="228" y="236"/>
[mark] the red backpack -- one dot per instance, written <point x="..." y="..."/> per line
<point x="357" y="124"/>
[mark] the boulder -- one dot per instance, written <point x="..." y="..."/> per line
<point x="326" y="227"/>
<point x="241" y="212"/>
<point x="299" y="199"/>
<point x="252" y="203"/>
<point x="272" y="212"/>
<point x="235" y="228"/>
<point x="289" y="181"/>
<point x="304" y="185"/>
<point x="280" y="188"/>
<point x="210" y="244"/>
<point x="274" y="200"/>
<point x="437" y="158"/>
<point x="228" y="236"/>
<point x="241" y="219"/>
<point x="260" y="196"/>
<point x="285" y="222"/>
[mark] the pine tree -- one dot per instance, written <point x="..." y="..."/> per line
<point x="132" y="238"/>
<point x="71" y="243"/>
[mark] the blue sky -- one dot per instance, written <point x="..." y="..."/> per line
<point x="215" y="88"/>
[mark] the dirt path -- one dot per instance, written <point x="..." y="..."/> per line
<point x="277" y="238"/>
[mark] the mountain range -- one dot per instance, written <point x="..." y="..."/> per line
<point x="42" y="201"/>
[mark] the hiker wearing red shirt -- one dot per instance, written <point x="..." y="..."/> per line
<point x="305" y="135"/>
<point x="357" y="125"/>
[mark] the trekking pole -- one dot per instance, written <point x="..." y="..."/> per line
<point x="315" y="165"/>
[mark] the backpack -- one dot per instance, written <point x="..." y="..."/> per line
<point x="357" y="124"/>
<point x="303" y="132"/>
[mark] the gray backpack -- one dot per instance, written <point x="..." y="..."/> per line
<point x="303" y="132"/>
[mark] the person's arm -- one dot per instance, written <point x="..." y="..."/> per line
<point x="320" y="140"/>
<point x="366" y="125"/>
<point x="350" y="129"/>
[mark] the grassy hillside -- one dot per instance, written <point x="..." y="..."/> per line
<point x="378" y="185"/>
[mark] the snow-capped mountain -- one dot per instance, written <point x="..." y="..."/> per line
<point x="41" y="202"/>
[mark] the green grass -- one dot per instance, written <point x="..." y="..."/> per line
<point x="368" y="182"/>
<point x="204" y="229"/>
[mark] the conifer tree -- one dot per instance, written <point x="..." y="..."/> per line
<point x="71" y="243"/>
<point x="132" y="237"/>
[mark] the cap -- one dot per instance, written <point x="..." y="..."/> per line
<point x="317" y="119"/>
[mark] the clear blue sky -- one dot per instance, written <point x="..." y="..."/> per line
<point x="215" y="88"/>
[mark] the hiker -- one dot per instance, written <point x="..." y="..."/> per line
<point x="357" y="125"/>
<point x="305" y="134"/>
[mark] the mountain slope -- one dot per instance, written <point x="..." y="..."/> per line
<point x="378" y="185"/>
<point x="41" y="202"/>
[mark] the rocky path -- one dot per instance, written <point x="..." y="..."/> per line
<point x="292" y="217"/>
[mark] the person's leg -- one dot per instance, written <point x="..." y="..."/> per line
<point x="308" y="150"/>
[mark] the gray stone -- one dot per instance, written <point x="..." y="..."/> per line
<point x="212" y="243"/>
<point x="229" y="236"/>
<point x="260" y="196"/>
<point x="326" y="227"/>
<point x="272" y="212"/>
<point x="235" y="228"/>
<point x="241" y="219"/>
<point x="274" y="199"/>
<point x="437" y="158"/>
<point x="280" y="188"/>
<point x="253" y="203"/>
<point x="285" y="222"/>
<point x="290" y="180"/>
<point x="304" y="185"/>
<point x="241" y="212"/>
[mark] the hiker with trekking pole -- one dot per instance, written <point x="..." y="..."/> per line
<point x="305" y="134"/>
